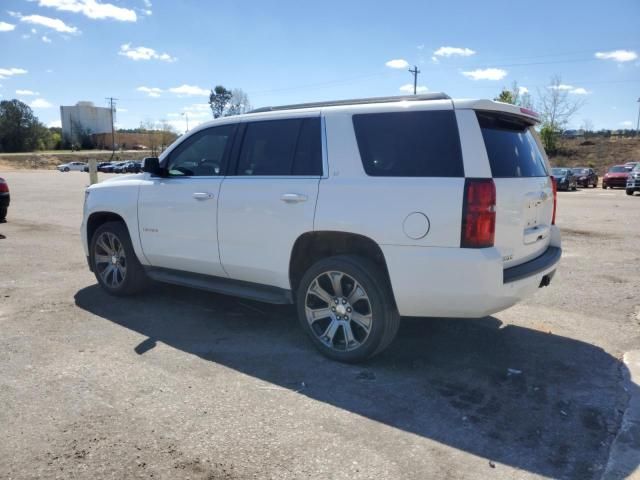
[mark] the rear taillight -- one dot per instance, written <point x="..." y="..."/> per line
<point x="554" y="185"/>
<point x="4" y="188"/>
<point x="478" y="213"/>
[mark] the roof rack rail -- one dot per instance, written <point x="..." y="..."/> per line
<point x="357" y="101"/>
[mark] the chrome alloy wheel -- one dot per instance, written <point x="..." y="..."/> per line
<point x="110" y="259"/>
<point x="338" y="310"/>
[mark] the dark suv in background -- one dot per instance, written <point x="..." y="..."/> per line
<point x="585" y="177"/>
<point x="564" y="178"/>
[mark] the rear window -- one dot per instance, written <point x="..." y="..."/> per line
<point x="512" y="149"/>
<point x="409" y="144"/>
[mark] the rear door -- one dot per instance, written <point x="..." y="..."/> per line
<point x="524" y="195"/>
<point x="270" y="200"/>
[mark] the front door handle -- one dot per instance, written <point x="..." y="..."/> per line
<point x="203" y="195"/>
<point x="293" y="197"/>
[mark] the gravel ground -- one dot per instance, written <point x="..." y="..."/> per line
<point x="182" y="384"/>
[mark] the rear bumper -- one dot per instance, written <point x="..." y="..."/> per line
<point x="458" y="282"/>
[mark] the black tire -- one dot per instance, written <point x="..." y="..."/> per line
<point x="629" y="192"/>
<point x="66" y="169"/>
<point x="3" y="213"/>
<point x="134" y="279"/>
<point x="604" y="187"/>
<point x="385" y="319"/>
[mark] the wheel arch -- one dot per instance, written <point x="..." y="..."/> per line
<point x="99" y="218"/>
<point x="313" y="246"/>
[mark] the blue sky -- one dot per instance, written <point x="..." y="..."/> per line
<point x="160" y="58"/>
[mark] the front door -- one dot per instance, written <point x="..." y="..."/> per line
<point x="177" y="214"/>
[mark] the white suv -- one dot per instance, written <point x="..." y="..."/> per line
<point x="359" y="212"/>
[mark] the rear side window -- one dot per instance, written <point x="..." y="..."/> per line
<point x="282" y="147"/>
<point x="512" y="149"/>
<point x="409" y="144"/>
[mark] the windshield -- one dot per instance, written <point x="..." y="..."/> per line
<point x="619" y="169"/>
<point x="559" y="172"/>
<point x="581" y="171"/>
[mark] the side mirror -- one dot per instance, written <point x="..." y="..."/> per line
<point x="151" y="165"/>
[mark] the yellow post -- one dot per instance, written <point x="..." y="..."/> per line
<point x="93" y="171"/>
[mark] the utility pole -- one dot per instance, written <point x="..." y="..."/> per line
<point x="186" y="117"/>
<point x="112" y="107"/>
<point x="415" y="73"/>
<point x="638" y="124"/>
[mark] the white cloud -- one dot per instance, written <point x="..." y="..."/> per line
<point x="570" y="89"/>
<point x="6" y="27"/>
<point x="92" y="9"/>
<point x="408" y="88"/>
<point x="523" y="90"/>
<point x="617" y="55"/>
<point x="626" y="123"/>
<point x="9" y="72"/>
<point x="53" y="23"/>
<point x="486" y="74"/>
<point x="144" y="53"/>
<point x="46" y="39"/>
<point x="54" y="124"/>
<point x="151" y="91"/>
<point x="190" y="90"/>
<point x="197" y="110"/>
<point x="454" y="52"/>
<point x="397" y="63"/>
<point x="26" y="92"/>
<point x="40" y="103"/>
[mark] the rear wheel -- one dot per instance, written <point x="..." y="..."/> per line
<point x="629" y="192"/>
<point x="114" y="262"/>
<point x="346" y="307"/>
<point x="3" y="213"/>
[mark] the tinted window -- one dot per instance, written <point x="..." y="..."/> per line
<point x="511" y="147"/>
<point x="282" y="147"/>
<point x="409" y="144"/>
<point x="202" y="154"/>
<point x="619" y="169"/>
<point x="308" y="158"/>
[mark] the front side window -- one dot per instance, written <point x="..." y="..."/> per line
<point x="281" y="148"/>
<point x="409" y="144"/>
<point x="203" y="154"/>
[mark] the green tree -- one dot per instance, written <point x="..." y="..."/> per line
<point x="506" y="96"/>
<point x="218" y="100"/>
<point x="20" y="129"/>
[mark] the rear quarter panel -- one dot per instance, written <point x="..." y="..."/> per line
<point x="351" y="201"/>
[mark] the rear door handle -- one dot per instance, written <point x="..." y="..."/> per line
<point x="293" y="197"/>
<point x="203" y="195"/>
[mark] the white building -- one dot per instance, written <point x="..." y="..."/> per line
<point x="84" y="118"/>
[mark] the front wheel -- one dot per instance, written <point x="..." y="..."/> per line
<point x="629" y="192"/>
<point x="66" y="169"/>
<point x="346" y="307"/>
<point x="3" y="213"/>
<point x="114" y="262"/>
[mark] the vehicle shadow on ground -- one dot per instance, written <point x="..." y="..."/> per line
<point x="530" y="399"/>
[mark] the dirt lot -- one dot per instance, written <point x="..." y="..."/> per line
<point x="181" y="384"/>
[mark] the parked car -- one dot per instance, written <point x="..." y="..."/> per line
<point x="104" y="166"/>
<point x="134" y="167"/>
<point x="585" y="177"/>
<point x="409" y="220"/>
<point x="5" y="199"/>
<point x="139" y="147"/>
<point x="633" y="181"/>
<point x="564" y="178"/>
<point x="72" y="166"/>
<point x="631" y="164"/>
<point x="616" y="176"/>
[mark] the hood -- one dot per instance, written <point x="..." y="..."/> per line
<point x="120" y="180"/>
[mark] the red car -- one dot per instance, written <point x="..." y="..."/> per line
<point x="616" y="176"/>
<point x="4" y="199"/>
